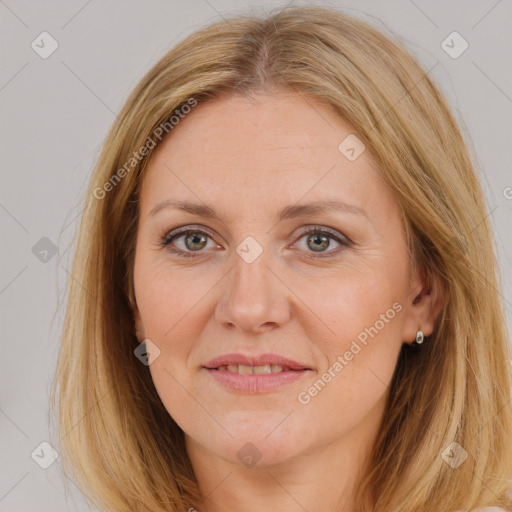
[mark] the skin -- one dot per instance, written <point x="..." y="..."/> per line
<point x="247" y="159"/>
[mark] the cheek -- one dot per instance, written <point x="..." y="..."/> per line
<point x="359" y="343"/>
<point x="187" y="406"/>
<point x="169" y="299"/>
<point x="350" y="392"/>
<point x="356" y="302"/>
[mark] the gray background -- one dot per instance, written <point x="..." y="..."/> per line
<point x="55" y="112"/>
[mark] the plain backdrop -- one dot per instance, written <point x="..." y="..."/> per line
<point x="56" y="111"/>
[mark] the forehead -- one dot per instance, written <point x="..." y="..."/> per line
<point x="263" y="153"/>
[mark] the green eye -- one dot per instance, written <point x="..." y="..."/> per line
<point x="318" y="240"/>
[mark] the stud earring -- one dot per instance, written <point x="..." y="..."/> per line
<point x="419" y="337"/>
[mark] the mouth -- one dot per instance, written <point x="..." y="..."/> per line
<point x="243" y="369"/>
<point x="262" y="363"/>
<point x="255" y="374"/>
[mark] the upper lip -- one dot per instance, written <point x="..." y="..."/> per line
<point x="255" y="360"/>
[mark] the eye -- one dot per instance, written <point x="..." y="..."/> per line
<point x="317" y="240"/>
<point x="194" y="240"/>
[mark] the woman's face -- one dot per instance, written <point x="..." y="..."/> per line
<point x="251" y="281"/>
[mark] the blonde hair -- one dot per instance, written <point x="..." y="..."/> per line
<point x="117" y="439"/>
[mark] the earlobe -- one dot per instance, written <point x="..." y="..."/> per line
<point x="139" y="328"/>
<point x="423" y="309"/>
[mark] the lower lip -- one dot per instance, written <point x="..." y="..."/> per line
<point x="255" y="383"/>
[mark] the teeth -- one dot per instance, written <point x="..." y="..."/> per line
<point x="243" y="369"/>
<point x="261" y="369"/>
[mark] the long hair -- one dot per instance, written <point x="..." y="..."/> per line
<point x="118" y="442"/>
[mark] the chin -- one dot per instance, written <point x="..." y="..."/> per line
<point x="258" y="438"/>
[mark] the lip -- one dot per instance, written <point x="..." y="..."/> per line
<point x="255" y="360"/>
<point x="256" y="383"/>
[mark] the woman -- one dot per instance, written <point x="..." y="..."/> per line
<point x="285" y="294"/>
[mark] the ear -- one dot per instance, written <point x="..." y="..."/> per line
<point x="424" y="303"/>
<point x="139" y="328"/>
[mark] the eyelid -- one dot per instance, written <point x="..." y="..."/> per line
<point x="304" y="230"/>
<point x="316" y="228"/>
<point x="181" y="230"/>
<point x="343" y="240"/>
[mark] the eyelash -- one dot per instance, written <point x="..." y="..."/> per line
<point x="173" y="235"/>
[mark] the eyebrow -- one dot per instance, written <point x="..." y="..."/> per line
<point x="289" y="212"/>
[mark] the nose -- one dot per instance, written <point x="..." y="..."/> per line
<point x="255" y="298"/>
